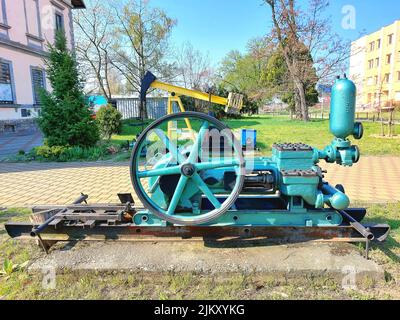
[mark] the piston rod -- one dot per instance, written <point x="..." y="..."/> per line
<point x="366" y="233"/>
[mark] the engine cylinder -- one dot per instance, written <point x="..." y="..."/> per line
<point x="343" y="107"/>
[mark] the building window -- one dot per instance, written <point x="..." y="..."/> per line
<point x="38" y="82"/>
<point x="376" y="80"/>
<point x="387" y="77"/>
<point x="6" y="85"/>
<point x="59" y="22"/>
<point x="388" y="58"/>
<point x="378" y="43"/>
<point x="377" y="62"/>
<point x="385" y="95"/>
<point x="390" y="38"/>
<point x="371" y="63"/>
<point x="25" y="113"/>
<point x="372" y="46"/>
<point x="398" y="75"/>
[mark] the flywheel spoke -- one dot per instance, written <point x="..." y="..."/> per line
<point x="194" y="154"/>
<point x="206" y="190"/>
<point x="172" y="147"/>
<point x="223" y="163"/>
<point x="168" y="171"/>
<point x="177" y="195"/>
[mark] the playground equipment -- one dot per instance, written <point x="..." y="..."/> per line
<point x="233" y="103"/>
<point x="200" y="185"/>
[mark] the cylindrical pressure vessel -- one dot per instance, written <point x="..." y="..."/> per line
<point x="343" y="108"/>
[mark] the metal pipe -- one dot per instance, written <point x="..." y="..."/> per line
<point x="36" y="231"/>
<point x="367" y="234"/>
<point x="334" y="197"/>
<point x="338" y="200"/>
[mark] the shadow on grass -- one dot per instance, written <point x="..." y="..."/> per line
<point x="4" y="217"/>
<point x="391" y="243"/>
<point x="387" y="248"/>
<point x="263" y="146"/>
<point x="318" y="120"/>
<point x="393" y="223"/>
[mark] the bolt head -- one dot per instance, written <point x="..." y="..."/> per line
<point x="188" y="170"/>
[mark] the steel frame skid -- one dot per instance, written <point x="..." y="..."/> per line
<point x="113" y="222"/>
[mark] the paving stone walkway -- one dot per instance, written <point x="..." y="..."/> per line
<point x="373" y="179"/>
<point x="10" y="144"/>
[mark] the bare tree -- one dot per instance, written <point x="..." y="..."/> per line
<point x="193" y="68"/>
<point x="306" y="40"/>
<point x="142" y="35"/>
<point x="93" y="45"/>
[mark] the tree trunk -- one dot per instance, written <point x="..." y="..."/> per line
<point x="302" y="100"/>
<point x="297" y="107"/>
<point x="143" y="110"/>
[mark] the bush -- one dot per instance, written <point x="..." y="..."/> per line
<point x="109" y="121"/>
<point x="80" y="154"/>
<point x="66" y="154"/>
<point x="47" y="152"/>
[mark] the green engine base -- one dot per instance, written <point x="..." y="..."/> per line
<point x="248" y="212"/>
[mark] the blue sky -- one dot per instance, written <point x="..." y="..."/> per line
<point x="218" y="26"/>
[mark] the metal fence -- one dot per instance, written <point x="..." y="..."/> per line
<point x="130" y="107"/>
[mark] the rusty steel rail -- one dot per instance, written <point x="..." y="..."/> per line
<point x="212" y="236"/>
<point x="130" y="232"/>
<point x="101" y="222"/>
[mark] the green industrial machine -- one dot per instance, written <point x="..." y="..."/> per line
<point x="208" y="181"/>
<point x="194" y="180"/>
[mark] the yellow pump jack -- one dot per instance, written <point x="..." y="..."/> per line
<point x="233" y="103"/>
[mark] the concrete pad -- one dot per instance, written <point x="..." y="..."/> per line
<point x="333" y="259"/>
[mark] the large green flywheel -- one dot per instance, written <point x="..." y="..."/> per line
<point x="171" y="168"/>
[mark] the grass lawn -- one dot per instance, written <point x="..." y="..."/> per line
<point x="270" y="129"/>
<point x="282" y="129"/>
<point x="21" y="284"/>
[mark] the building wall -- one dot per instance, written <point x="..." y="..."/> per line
<point x="26" y="27"/>
<point x="32" y="22"/>
<point x="21" y="65"/>
<point x="379" y="82"/>
<point x="10" y="113"/>
<point x="357" y="63"/>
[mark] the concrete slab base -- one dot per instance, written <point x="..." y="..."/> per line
<point x="333" y="259"/>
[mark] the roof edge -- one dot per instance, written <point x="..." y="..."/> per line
<point x="78" y="4"/>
